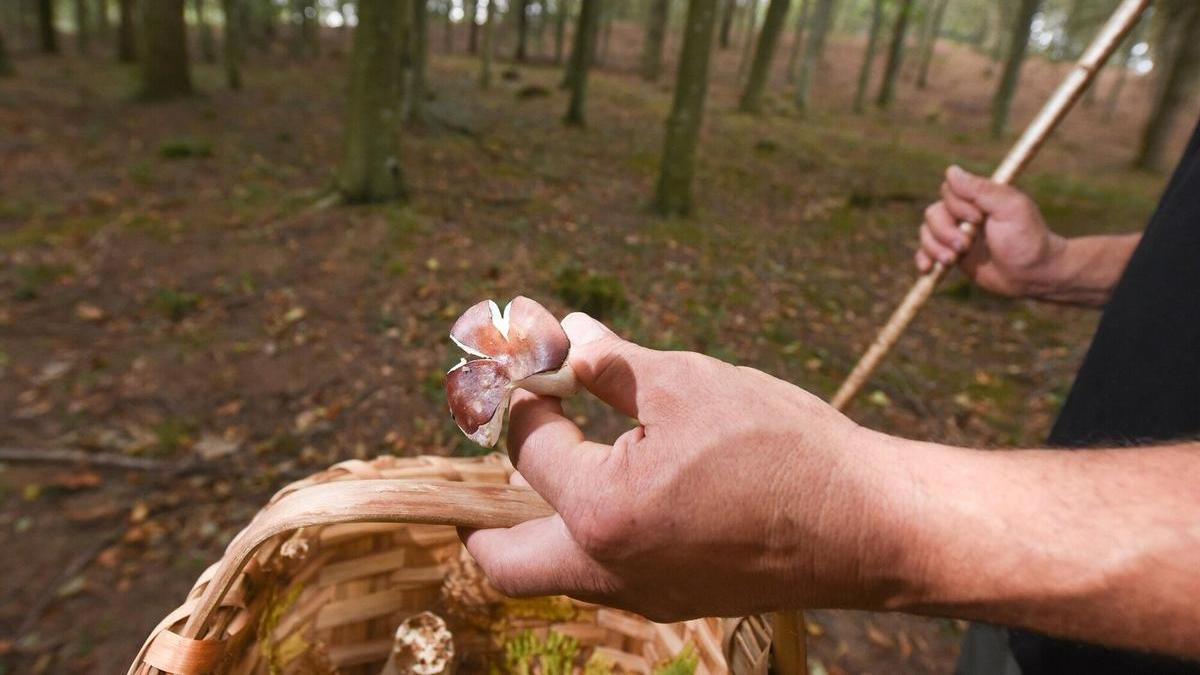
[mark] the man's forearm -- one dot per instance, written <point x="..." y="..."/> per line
<point x="1086" y="270"/>
<point x="1101" y="546"/>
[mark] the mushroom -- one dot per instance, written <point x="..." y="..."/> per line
<point x="423" y="646"/>
<point x="523" y="346"/>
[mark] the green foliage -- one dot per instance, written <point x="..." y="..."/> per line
<point x="526" y="654"/>
<point x="172" y="435"/>
<point x="185" y="148"/>
<point x="599" y="295"/>
<point x="684" y="663"/>
<point x="175" y="305"/>
<point x="32" y="278"/>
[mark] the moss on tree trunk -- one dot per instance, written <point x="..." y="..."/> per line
<point x="582" y="53"/>
<point x="673" y="195"/>
<point x="165" y="72"/>
<point x="370" y="170"/>
<point x="768" y="40"/>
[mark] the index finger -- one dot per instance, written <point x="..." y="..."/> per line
<point x="605" y="364"/>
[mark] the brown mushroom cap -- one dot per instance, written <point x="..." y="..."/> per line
<point x="522" y="341"/>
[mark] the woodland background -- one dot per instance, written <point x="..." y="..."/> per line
<point x="233" y="235"/>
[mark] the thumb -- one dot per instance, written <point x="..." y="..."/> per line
<point x="604" y="363"/>
<point x="984" y="192"/>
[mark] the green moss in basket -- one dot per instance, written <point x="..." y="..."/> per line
<point x="684" y="663"/>
<point x="548" y="608"/>
<point x="526" y="654"/>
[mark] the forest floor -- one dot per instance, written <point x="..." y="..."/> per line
<point x="173" y="286"/>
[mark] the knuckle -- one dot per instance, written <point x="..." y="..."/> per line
<point x="605" y="532"/>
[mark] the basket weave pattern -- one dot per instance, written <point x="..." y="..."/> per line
<point x="327" y="597"/>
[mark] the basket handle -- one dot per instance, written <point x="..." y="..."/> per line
<point x="471" y="505"/>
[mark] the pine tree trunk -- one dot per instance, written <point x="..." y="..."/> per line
<point x="233" y="46"/>
<point x="864" y="71"/>
<point x="673" y="195"/>
<point x="418" y="60"/>
<point x="814" y="49"/>
<point x="797" y="40"/>
<point x="935" y="32"/>
<point x="768" y="40"/>
<point x="586" y="29"/>
<point x="6" y="66"/>
<point x="1018" y="44"/>
<point x="82" y="29"/>
<point x="485" y="59"/>
<point x="727" y="22"/>
<point x="46" y="32"/>
<point x="656" y="31"/>
<point x="887" y="88"/>
<point x="208" y="47"/>
<point x="521" y="9"/>
<point x="748" y="38"/>
<point x="370" y="170"/>
<point x="126" y="33"/>
<point x="165" y="71"/>
<point x="1177" y="62"/>
<point x="561" y="13"/>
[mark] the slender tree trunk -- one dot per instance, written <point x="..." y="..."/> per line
<point x="418" y="59"/>
<point x="1177" y="62"/>
<point x="1002" y="101"/>
<point x="673" y="195"/>
<point x="370" y="170"/>
<point x="472" y="27"/>
<point x="539" y="32"/>
<point x="165" y="71"/>
<point x="887" y="88"/>
<point x="1114" y="93"/>
<point x="46" y="32"/>
<point x="82" y="30"/>
<point x="448" y="28"/>
<point x="760" y="70"/>
<point x="208" y="47"/>
<point x="656" y="31"/>
<point x="727" y="22"/>
<point x="581" y="60"/>
<point x="485" y="59"/>
<point x="6" y="66"/>
<point x="935" y="32"/>
<point x="1073" y="30"/>
<point x="233" y="46"/>
<point x="126" y="33"/>
<point x="797" y="40"/>
<point x="605" y="41"/>
<point x="864" y="71"/>
<point x="814" y="49"/>
<point x="310" y="28"/>
<point x="521" y="9"/>
<point x="1004" y="23"/>
<point x="748" y="38"/>
<point x="103" y="26"/>
<point x="562" y="11"/>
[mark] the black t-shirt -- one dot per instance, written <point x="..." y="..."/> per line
<point x="1139" y="384"/>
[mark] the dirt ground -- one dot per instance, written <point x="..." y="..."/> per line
<point x="173" y="286"/>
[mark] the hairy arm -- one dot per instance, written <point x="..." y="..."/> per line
<point x="1086" y="270"/>
<point x="1099" y="545"/>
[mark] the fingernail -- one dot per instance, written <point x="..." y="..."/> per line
<point x="946" y="259"/>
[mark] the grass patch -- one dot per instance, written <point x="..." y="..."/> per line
<point x="175" y="305"/>
<point x="185" y="148"/>
<point x="599" y="295"/>
<point x="31" y="279"/>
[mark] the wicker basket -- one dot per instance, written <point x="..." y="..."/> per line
<point x="321" y="578"/>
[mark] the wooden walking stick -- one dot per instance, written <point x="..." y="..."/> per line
<point x="1107" y="40"/>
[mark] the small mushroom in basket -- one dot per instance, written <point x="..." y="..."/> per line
<point x="423" y="646"/>
<point x="524" y="346"/>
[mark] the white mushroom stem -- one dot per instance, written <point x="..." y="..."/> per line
<point x="560" y="383"/>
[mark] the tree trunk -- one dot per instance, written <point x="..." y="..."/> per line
<point x="165" y="71"/>
<point x="370" y="169"/>
<point x="605" y="41"/>
<point x="656" y="31"/>
<point x="748" y="38"/>
<point x="1002" y="101"/>
<point x="82" y="29"/>
<point x="727" y="22"/>
<point x="887" y="88"/>
<point x="46" y="32"/>
<point x="233" y="46"/>
<point x="582" y="51"/>
<point x="1004" y="23"/>
<point x="126" y="33"/>
<point x="935" y="31"/>
<point x="1114" y="93"/>
<point x="673" y="195"/>
<point x="6" y="66"/>
<point x="797" y="40"/>
<point x="103" y="27"/>
<point x="204" y="33"/>
<point x="448" y="28"/>
<point x="472" y="8"/>
<point x="310" y="28"/>
<point x="760" y="71"/>
<point x="521" y="9"/>
<point x="485" y="58"/>
<point x="814" y="49"/>
<point x="1177" y="62"/>
<point x="864" y="72"/>
<point x="418" y="59"/>
<point x="562" y="11"/>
